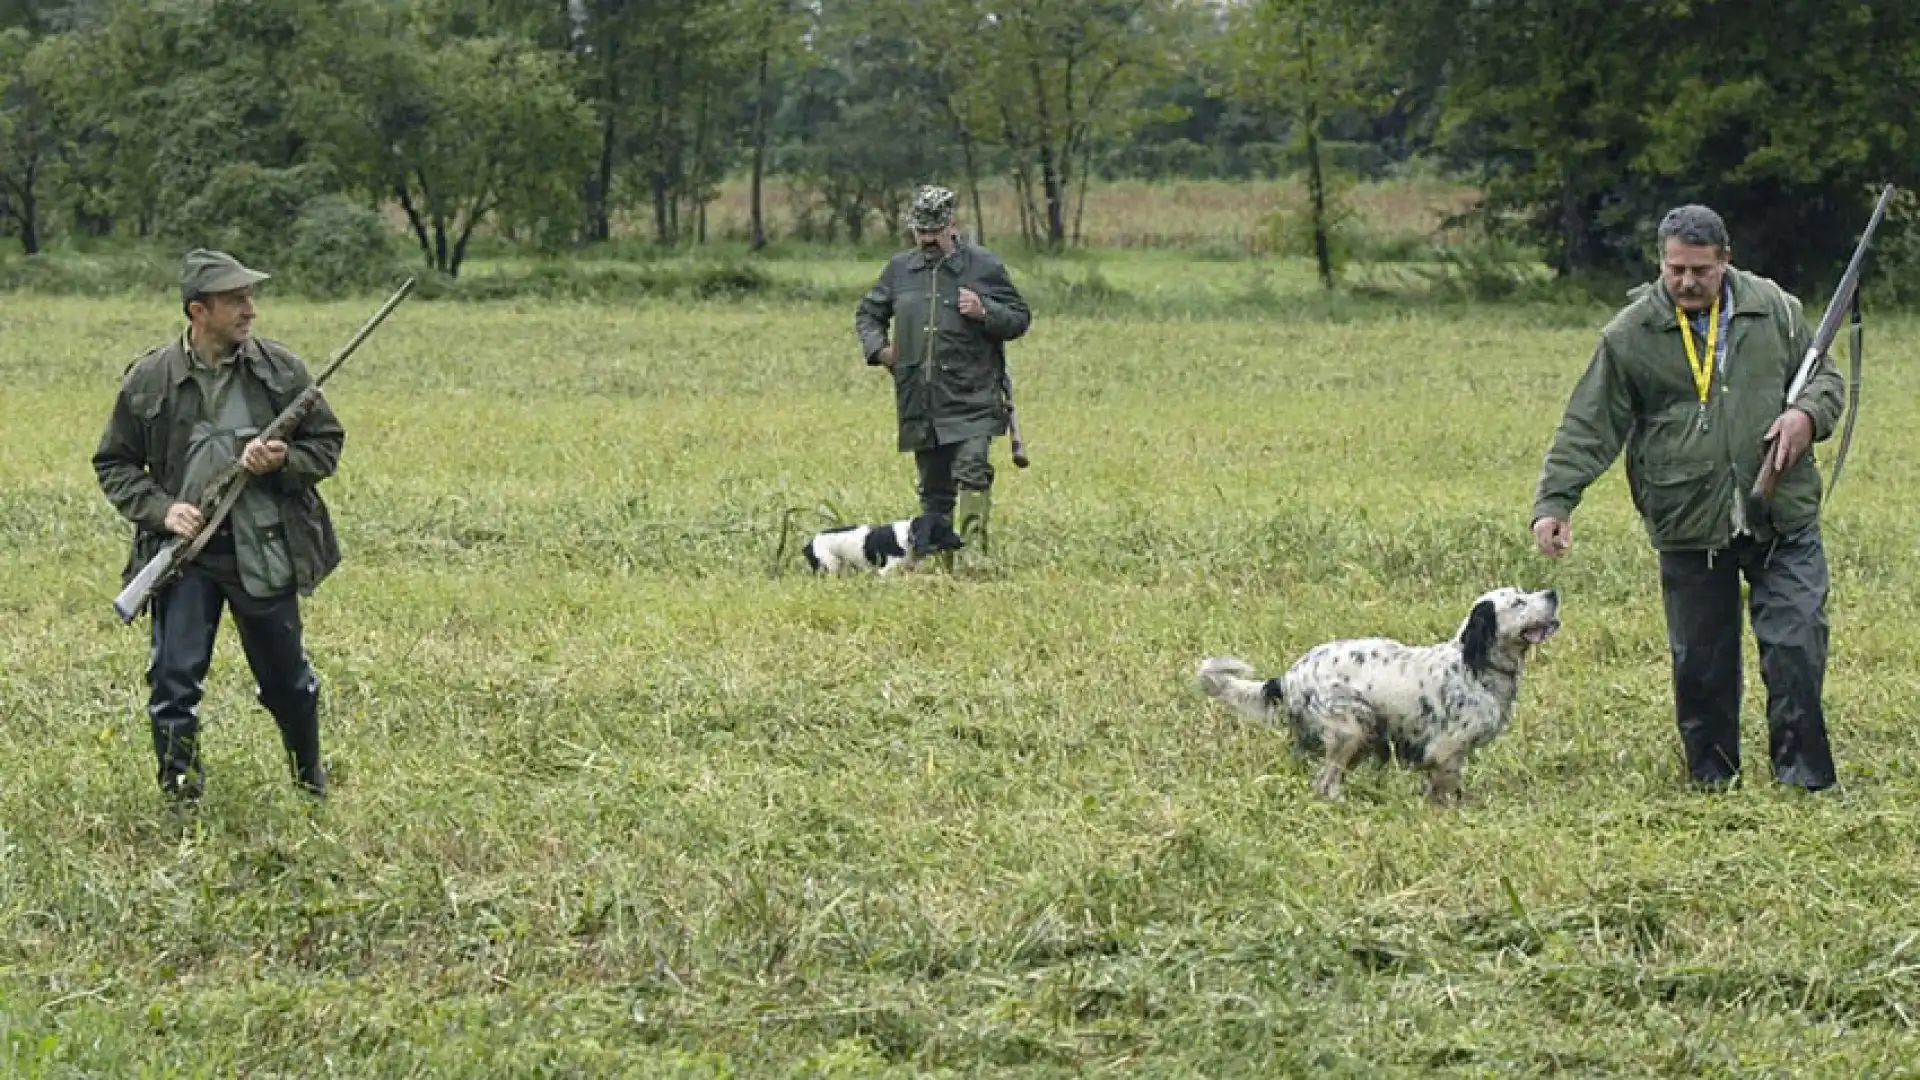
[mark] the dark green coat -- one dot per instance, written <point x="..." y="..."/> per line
<point x="141" y="459"/>
<point x="1638" y="394"/>
<point x="948" y="368"/>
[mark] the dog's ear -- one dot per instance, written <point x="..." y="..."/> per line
<point x="1478" y="637"/>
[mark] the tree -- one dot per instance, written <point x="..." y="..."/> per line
<point x="461" y="131"/>
<point x="1311" y="59"/>
<point x="29" y="138"/>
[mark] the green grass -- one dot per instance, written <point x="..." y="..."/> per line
<point x="618" y="794"/>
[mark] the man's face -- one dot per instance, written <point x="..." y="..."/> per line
<point x="1693" y="273"/>
<point x="933" y="239"/>
<point x="226" y="319"/>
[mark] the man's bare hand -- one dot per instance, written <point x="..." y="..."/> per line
<point x="970" y="305"/>
<point x="1788" y="438"/>
<point x="1553" y="536"/>
<point x="260" y="458"/>
<point x="886" y="357"/>
<point x="184" y="520"/>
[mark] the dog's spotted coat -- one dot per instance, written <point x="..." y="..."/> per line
<point x="1428" y="705"/>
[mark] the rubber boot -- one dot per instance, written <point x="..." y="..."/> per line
<point x="299" y="724"/>
<point x="971" y="514"/>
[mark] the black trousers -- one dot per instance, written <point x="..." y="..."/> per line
<point x="1787" y="583"/>
<point x="186" y="616"/>
<point x="945" y="469"/>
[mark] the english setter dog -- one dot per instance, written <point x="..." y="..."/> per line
<point x="1429" y="705"/>
<point x="882" y="548"/>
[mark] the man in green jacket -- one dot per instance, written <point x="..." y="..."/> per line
<point x="953" y="308"/>
<point x="1691" y="378"/>
<point x="186" y="411"/>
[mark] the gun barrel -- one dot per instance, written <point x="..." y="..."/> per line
<point x="1842" y="300"/>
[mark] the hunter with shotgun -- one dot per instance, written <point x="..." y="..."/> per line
<point x="1714" y="386"/>
<point x="215" y="448"/>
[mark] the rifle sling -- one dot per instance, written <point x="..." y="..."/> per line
<point x="1853" y="399"/>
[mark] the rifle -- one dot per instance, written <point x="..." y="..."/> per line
<point x="1846" y="296"/>
<point x="1020" y="459"/>
<point x="221" y="495"/>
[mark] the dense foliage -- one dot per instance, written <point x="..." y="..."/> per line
<point x="553" y="123"/>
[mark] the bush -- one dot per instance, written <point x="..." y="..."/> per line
<point x="1891" y="276"/>
<point x="244" y="210"/>
<point x="338" y="246"/>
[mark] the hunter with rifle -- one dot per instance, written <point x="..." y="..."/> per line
<point x="1716" y="388"/>
<point x="215" y="448"/>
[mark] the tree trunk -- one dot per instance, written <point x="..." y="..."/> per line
<point x="1080" y="209"/>
<point x="1316" y="179"/>
<point x="1575" y="253"/>
<point x="1049" y="166"/>
<point x="760" y="151"/>
<point x="973" y="186"/>
<point x="413" y="218"/>
<point x="600" y="188"/>
<point x="475" y="213"/>
<point x="1317" y="192"/>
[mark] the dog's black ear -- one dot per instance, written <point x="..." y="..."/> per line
<point x="881" y="545"/>
<point x="1477" y="640"/>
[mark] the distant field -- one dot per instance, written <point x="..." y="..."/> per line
<point x="1200" y="214"/>
<point x="620" y="791"/>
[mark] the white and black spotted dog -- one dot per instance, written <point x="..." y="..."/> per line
<point x="881" y="548"/>
<point x="1428" y="705"/>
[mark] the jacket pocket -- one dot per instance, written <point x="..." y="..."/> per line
<point x="1678" y="500"/>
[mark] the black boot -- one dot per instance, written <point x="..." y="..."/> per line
<point x="299" y="722"/>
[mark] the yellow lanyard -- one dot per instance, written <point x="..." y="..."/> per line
<point x="1702" y="365"/>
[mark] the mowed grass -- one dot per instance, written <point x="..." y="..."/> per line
<point x="620" y="792"/>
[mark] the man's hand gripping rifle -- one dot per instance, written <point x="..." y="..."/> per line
<point x="224" y="491"/>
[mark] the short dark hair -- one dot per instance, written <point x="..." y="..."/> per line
<point x="1694" y="224"/>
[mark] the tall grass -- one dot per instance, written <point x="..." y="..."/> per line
<point x="619" y="790"/>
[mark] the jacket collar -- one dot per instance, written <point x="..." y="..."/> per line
<point x="1748" y="299"/>
<point x="924" y="259"/>
<point x="180" y="362"/>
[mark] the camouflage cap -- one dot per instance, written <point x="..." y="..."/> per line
<point x="206" y="272"/>
<point x="932" y="209"/>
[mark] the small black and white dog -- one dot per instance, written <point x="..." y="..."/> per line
<point x="882" y="548"/>
<point x="1429" y="705"/>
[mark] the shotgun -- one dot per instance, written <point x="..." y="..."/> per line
<point x="1845" y="296"/>
<point x="1020" y="458"/>
<point x="224" y="491"/>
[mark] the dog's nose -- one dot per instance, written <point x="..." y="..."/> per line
<point x="1553" y="596"/>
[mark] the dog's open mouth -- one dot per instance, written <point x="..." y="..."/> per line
<point x="1539" y="632"/>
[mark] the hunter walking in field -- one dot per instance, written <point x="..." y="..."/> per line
<point x="953" y="308"/>
<point x="185" y="412"/>
<point x="1691" y="378"/>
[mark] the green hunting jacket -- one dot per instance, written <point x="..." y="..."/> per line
<point x="948" y="371"/>
<point x="142" y="456"/>
<point x="1688" y="481"/>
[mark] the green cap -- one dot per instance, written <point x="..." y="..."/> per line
<point x="205" y="272"/>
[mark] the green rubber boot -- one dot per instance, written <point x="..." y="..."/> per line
<point x="971" y="513"/>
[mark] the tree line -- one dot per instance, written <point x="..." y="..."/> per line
<point x="558" y="122"/>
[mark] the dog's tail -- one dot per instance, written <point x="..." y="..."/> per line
<point x="1226" y="679"/>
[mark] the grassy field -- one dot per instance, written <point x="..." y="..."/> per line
<point x="618" y="790"/>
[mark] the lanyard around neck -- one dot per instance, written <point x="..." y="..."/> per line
<point x="1702" y="366"/>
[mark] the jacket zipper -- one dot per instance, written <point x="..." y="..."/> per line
<point x="933" y="319"/>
